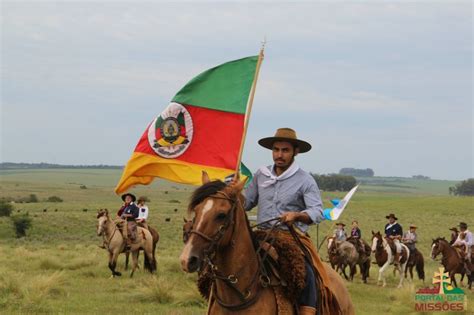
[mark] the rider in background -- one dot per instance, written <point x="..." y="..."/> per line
<point x="410" y="238"/>
<point x="394" y="231"/>
<point x="142" y="212"/>
<point x="339" y="233"/>
<point x="356" y="235"/>
<point x="454" y="235"/>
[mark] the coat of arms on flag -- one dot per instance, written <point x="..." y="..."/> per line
<point x="171" y="133"/>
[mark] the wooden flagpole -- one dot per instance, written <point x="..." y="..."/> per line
<point x="249" y="109"/>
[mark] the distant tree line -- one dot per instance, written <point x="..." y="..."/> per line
<point x="420" y="177"/>
<point x="464" y="188"/>
<point x="368" y="172"/>
<point x="10" y="166"/>
<point x="335" y="182"/>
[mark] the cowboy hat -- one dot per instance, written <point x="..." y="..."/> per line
<point x="391" y="215"/>
<point x="285" y="134"/>
<point x="340" y="223"/>
<point x="131" y="195"/>
<point x="412" y="226"/>
<point x="462" y="225"/>
<point x="454" y="229"/>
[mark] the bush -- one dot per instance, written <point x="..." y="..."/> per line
<point x="464" y="188"/>
<point x="21" y="224"/>
<point x="83" y="187"/>
<point x="5" y="209"/>
<point x="335" y="182"/>
<point x="54" y="199"/>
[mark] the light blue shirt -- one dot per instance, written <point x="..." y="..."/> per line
<point x="297" y="193"/>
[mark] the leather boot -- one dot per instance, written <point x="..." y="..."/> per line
<point x="307" y="310"/>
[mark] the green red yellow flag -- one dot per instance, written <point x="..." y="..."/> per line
<point x="201" y="129"/>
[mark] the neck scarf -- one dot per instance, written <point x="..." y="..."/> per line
<point x="290" y="171"/>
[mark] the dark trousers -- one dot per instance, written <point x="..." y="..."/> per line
<point x="308" y="296"/>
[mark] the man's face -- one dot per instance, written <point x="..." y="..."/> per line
<point x="283" y="154"/>
<point x="128" y="199"/>
<point x="412" y="230"/>
<point x="391" y="220"/>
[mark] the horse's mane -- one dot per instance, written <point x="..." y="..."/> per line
<point x="203" y="192"/>
<point x="440" y="239"/>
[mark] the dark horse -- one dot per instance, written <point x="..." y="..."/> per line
<point x="222" y="239"/>
<point x="416" y="260"/>
<point x="450" y="260"/>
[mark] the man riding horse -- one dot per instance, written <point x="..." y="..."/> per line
<point x="284" y="190"/>
<point x="393" y="232"/>
<point x="128" y="214"/>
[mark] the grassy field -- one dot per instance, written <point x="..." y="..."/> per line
<point x="58" y="267"/>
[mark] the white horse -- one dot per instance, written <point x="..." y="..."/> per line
<point x="384" y="257"/>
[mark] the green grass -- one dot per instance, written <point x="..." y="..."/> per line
<point x="58" y="267"/>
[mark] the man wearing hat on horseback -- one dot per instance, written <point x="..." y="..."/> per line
<point x="410" y="238"/>
<point x="128" y="214"/>
<point x="468" y="239"/>
<point x="394" y="231"/>
<point x="284" y="190"/>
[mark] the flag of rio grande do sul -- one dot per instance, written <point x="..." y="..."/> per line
<point x="200" y="129"/>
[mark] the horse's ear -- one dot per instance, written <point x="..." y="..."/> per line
<point x="205" y="178"/>
<point x="238" y="186"/>
<point x="184" y="219"/>
<point x="373" y="233"/>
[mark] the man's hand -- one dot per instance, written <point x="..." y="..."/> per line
<point x="291" y="217"/>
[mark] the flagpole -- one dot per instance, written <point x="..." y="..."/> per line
<point x="249" y="109"/>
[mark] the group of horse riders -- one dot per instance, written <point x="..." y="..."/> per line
<point x="393" y="233"/>
<point x="130" y="215"/>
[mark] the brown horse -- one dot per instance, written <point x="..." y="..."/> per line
<point x="450" y="260"/>
<point x="115" y="243"/>
<point x="384" y="257"/>
<point x="416" y="260"/>
<point x="221" y="238"/>
<point x="344" y="253"/>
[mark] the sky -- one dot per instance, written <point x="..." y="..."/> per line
<point x="381" y="85"/>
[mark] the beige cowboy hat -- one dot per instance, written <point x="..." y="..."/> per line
<point x="412" y="226"/>
<point x="285" y="134"/>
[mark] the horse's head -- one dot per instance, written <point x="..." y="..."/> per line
<point x="214" y="205"/>
<point x="102" y="217"/>
<point x="377" y="241"/>
<point x="437" y="246"/>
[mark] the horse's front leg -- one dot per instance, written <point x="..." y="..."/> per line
<point x="127" y="254"/>
<point x="382" y="275"/>
<point x="452" y="275"/>
<point x="113" y="263"/>
<point x="134" y="262"/>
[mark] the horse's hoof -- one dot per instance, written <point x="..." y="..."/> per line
<point x="119" y="274"/>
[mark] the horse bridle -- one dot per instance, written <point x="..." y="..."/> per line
<point x="229" y="280"/>
<point x="217" y="236"/>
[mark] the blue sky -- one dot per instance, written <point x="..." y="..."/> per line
<point x="385" y="85"/>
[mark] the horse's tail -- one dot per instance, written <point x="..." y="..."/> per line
<point x="150" y="264"/>
<point x="420" y="266"/>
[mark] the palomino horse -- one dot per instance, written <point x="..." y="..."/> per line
<point x="347" y="255"/>
<point x="116" y="244"/>
<point x="156" y="237"/>
<point x="384" y="257"/>
<point x="416" y="260"/>
<point x="450" y="260"/>
<point x="221" y="239"/>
